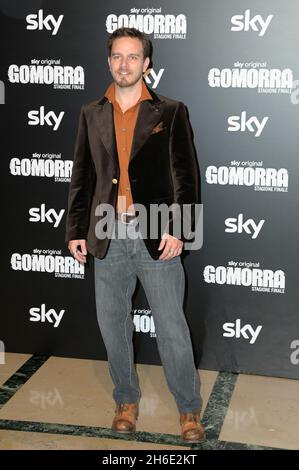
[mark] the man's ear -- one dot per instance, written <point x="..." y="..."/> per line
<point x="109" y="62"/>
<point x="146" y="64"/>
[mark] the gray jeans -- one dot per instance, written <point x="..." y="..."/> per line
<point x="164" y="285"/>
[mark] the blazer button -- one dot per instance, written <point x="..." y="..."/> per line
<point x="114" y="181"/>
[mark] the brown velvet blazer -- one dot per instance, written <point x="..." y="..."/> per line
<point x="162" y="168"/>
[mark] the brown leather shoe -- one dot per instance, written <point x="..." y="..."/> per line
<point x="125" y="417"/>
<point x="192" y="429"/>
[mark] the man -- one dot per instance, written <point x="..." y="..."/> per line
<point x="134" y="148"/>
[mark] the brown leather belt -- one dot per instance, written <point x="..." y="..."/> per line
<point x="125" y="217"/>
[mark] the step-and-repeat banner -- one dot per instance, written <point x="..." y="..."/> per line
<point x="234" y="64"/>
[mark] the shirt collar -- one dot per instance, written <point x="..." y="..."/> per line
<point x="110" y="93"/>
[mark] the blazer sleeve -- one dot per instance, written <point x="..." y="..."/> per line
<point x="81" y="186"/>
<point x="185" y="175"/>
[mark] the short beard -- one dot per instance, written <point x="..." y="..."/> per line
<point x="124" y="84"/>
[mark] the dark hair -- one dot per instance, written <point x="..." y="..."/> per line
<point x="133" y="33"/>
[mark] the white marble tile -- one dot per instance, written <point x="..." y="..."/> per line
<point x="264" y="411"/>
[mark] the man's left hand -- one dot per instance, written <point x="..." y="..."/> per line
<point x="172" y="247"/>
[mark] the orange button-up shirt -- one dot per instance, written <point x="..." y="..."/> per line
<point x="124" y="124"/>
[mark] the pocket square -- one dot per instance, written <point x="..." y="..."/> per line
<point x="158" y="128"/>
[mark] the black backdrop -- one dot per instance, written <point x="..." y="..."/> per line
<point x="234" y="64"/>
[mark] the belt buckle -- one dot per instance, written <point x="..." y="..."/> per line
<point x="122" y="218"/>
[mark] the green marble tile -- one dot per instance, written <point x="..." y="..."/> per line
<point x="153" y="438"/>
<point x="91" y="431"/>
<point x="20" y="377"/>
<point x="218" y="404"/>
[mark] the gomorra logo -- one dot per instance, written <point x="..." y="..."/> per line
<point x="149" y="24"/>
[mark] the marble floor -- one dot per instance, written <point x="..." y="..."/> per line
<point x="54" y="403"/>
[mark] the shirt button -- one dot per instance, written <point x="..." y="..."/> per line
<point x="124" y="129"/>
<point x="114" y="181"/>
<point x="124" y="148"/>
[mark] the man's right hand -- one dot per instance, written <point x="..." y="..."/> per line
<point x="78" y="250"/>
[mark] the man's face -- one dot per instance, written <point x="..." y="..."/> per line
<point x="126" y="62"/>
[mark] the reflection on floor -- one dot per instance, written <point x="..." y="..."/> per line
<point x="61" y="403"/>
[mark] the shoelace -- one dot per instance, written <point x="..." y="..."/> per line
<point x="123" y="407"/>
<point x="191" y="417"/>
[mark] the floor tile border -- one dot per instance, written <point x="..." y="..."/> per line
<point x="20" y="377"/>
<point x="107" y="433"/>
<point x="218" y="403"/>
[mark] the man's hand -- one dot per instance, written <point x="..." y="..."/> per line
<point x="172" y="246"/>
<point x="78" y="250"/>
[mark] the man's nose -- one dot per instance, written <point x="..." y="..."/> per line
<point x="124" y="62"/>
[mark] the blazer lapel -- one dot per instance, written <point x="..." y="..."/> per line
<point x="105" y="126"/>
<point x="149" y="115"/>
